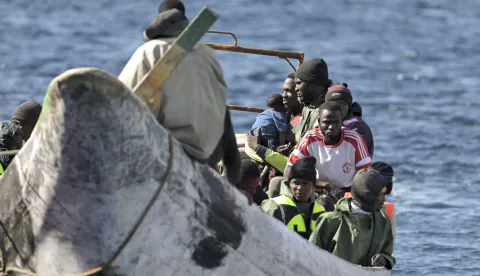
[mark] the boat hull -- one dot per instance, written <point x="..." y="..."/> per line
<point x="93" y="162"/>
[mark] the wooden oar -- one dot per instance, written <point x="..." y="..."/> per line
<point x="147" y="88"/>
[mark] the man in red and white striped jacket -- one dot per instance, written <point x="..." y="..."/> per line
<point x="340" y="152"/>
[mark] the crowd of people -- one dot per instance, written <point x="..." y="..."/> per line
<point x="309" y="153"/>
<point x="323" y="183"/>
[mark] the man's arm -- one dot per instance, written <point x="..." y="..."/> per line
<point x="324" y="232"/>
<point x="270" y="207"/>
<point x="364" y="130"/>
<point x="386" y="250"/>
<point x="231" y="156"/>
<point x="263" y="154"/>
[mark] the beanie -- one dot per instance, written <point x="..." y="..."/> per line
<point x="386" y="170"/>
<point x="356" y="109"/>
<point x="304" y="169"/>
<point x="339" y="92"/>
<point x="366" y="188"/>
<point x="171" y="4"/>
<point x="28" y="113"/>
<point x="313" y="71"/>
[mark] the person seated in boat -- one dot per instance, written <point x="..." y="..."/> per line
<point x="11" y="138"/>
<point x="293" y="106"/>
<point x="357" y="231"/>
<point x="250" y="182"/>
<point x="278" y="157"/>
<point x="296" y="206"/>
<point x="194" y="105"/>
<point x="386" y="170"/>
<point x="26" y="116"/>
<point x="340" y="94"/>
<point x="340" y="152"/>
<point x="273" y="126"/>
<point x="273" y="123"/>
<point x="312" y="82"/>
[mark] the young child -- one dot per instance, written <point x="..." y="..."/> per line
<point x="274" y="127"/>
<point x="273" y="123"/>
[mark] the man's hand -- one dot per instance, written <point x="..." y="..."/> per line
<point x="285" y="149"/>
<point x="253" y="141"/>
<point x="379" y="260"/>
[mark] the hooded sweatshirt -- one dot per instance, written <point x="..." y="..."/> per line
<point x="193" y="108"/>
<point x="354" y="236"/>
<point x="357" y="230"/>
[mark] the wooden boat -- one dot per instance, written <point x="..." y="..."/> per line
<point x="101" y="185"/>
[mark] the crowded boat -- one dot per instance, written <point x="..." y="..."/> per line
<point x="306" y="161"/>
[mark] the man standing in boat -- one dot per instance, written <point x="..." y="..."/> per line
<point x="340" y="94"/>
<point x="312" y="82"/>
<point x="296" y="206"/>
<point x="357" y="231"/>
<point x="194" y="108"/>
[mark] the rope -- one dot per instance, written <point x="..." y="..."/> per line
<point x="132" y="231"/>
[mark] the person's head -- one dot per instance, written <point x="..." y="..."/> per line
<point x="386" y="170"/>
<point x="302" y="178"/>
<point x="367" y="188"/>
<point x="171" y="4"/>
<point x="356" y="109"/>
<point x="26" y="116"/>
<point x="11" y="138"/>
<point x="250" y="177"/>
<point x="275" y="102"/>
<point x="340" y="94"/>
<point x="311" y="81"/>
<point x="289" y="96"/>
<point x="330" y="122"/>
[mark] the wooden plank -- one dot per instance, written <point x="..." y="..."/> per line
<point x="147" y="88"/>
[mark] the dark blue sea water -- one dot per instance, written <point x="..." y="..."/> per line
<point x="413" y="65"/>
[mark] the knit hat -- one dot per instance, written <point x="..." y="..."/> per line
<point x="386" y="171"/>
<point x="356" y="109"/>
<point x="304" y="169"/>
<point x="339" y="92"/>
<point x="366" y="188"/>
<point x="28" y="113"/>
<point x="313" y="71"/>
<point x="171" y="4"/>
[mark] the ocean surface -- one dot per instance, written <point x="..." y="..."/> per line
<point x="412" y="65"/>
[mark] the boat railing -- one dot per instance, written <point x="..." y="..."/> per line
<point x="285" y="55"/>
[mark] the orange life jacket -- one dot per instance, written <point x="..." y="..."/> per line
<point x="388" y="207"/>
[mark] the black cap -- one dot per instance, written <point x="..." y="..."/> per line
<point x="366" y="188"/>
<point x="171" y="4"/>
<point x="386" y="170"/>
<point x="304" y="169"/>
<point x="313" y="71"/>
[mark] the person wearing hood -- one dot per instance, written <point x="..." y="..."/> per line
<point x="194" y="108"/>
<point x="312" y="82"/>
<point x="296" y="207"/>
<point x="26" y="116"/>
<point x="340" y="94"/>
<point x="357" y="231"/>
<point x="11" y="138"/>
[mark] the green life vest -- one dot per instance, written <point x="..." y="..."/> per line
<point x="292" y="217"/>
<point x="1" y="169"/>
